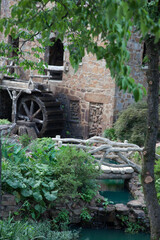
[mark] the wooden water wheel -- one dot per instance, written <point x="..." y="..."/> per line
<point x="44" y="111"/>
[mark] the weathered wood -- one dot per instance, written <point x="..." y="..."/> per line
<point x="96" y="145"/>
<point x="54" y="68"/>
<point x="130" y="163"/>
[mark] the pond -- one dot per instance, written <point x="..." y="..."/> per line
<point x="115" y="191"/>
<point x="110" y="234"/>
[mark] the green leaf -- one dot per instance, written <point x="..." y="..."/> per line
<point x="14" y="184"/>
<point x="26" y="193"/>
<point x="51" y="196"/>
<point x="37" y="196"/>
<point x="40" y="208"/>
<point x="136" y="94"/>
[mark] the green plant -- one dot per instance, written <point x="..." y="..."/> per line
<point x="28" y="179"/>
<point x="107" y="202"/>
<point x="131" y="227"/>
<point x="25" y="140"/>
<point x="131" y="123"/>
<point x="13" y="152"/>
<point x="136" y="158"/>
<point x="75" y="172"/>
<point x="37" y="181"/>
<point x="43" y="149"/>
<point x="4" y="121"/>
<point x="110" y="133"/>
<point x="61" y="222"/>
<point x="18" y="230"/>
<point x="85" y="215"/>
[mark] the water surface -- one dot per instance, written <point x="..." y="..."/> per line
<point x="115" y="191"/>
<point x="110" y="234"/>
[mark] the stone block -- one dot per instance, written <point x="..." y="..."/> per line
<point x="134" y="204"/>
<point x="9" y="203"/>
<point x="97" y="98"/>
<point x="8" y="197"/>
<point x="139" y="214"/>
<point x="121" y="208"/>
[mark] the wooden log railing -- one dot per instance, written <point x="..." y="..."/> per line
<point x="103" y="149"/>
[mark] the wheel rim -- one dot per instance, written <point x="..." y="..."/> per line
<point x="31" y="110"/>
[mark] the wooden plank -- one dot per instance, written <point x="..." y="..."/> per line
<point x="15" y="85"/>
<point x="54" y="68"/>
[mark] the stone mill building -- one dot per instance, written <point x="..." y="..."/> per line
<point x="89" y="98"/>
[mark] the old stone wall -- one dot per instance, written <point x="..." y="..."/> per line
<point x="8" y="205"/>
<point x="138" y="72"/>
<point x="89" y="97"/>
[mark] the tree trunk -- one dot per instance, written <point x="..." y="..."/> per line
<point x="148" y="180"/>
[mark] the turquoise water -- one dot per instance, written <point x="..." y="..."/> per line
<point x="115" y="191"/>
<point x="110" y="234"/>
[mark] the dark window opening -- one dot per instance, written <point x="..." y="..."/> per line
<point x="56" y="58"/>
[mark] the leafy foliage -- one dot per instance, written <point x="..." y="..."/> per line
<point x="85" y="215"/>
<point x="131" y="227"/>
<point x="131" y="124"/>
<point x="43" y="150"/>
<point x="75" y="172"/>
<point x="32" y="230"/>
<point x="43" y="176"/>
<point x="4" y="121"/>
<point x="25" y="140"/>
<point x="81" y="22"/>
<point x="61" y="222"/>
<point x="110" y="134"/>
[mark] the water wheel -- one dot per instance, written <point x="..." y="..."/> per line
<point x="42" y="110"/>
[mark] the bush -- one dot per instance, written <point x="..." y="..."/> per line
<point x="131" y="124"/>
<point x="32" y="230"/>
<point x="110" y="134"/>
<point x="4" y="121"/>
<point x="38" y="179"/>
<point x="43" y="150"/>
<point x="75" y="172"/>
<point x="25" y="140"/>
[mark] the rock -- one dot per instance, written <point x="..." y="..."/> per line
<point x="139" y="214"/>
<point x="134" y="204"/>
<point x="110" y="208"/>
<point x="121" y="208"/>
<point x="77" y="211"/>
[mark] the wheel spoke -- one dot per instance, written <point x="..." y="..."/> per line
<point x="26" y="109"/>
<point x="37" y="120"/>
<point x="38" y="111"/>
<point x="23" y="117"/>
<point x="31" y="108"/>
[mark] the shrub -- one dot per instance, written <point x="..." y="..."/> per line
<point x="110" y="134"/>
<point x="131" y="123"/>
<point x="25" y="140"/>
<point x="38" y="180"/>
<point x="4" y="121"/>
<point x="75" y="172"/>
<point x="43" y="149"/>
<point x="32" y="230"/>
